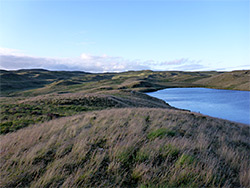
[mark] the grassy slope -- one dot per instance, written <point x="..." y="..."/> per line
<point x="21" y="112"/>
<point x="36" y="82"/>
<point x="238" y="80"/>
<point x="128" y="147"/>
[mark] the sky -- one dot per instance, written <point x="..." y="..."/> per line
<point x="122" y="35"/>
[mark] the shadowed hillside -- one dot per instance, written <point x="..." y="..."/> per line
<point x="140" y="147"/>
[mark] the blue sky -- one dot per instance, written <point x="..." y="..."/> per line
<point x="100" y="36"/>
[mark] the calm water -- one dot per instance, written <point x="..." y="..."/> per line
<point x="225" y="104"/>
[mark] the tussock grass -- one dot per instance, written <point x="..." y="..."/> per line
<point x="161" y="132"/>
<point x="128" y="147"/>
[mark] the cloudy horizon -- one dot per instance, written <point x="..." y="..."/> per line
<point x="14" y="60"/>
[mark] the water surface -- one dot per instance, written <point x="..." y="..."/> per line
<point x="226" y="104"/>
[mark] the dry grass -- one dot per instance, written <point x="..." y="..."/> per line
<point x="236" y="80"/>
<point x="129" y="147"/>
<point x="22" y="112"/>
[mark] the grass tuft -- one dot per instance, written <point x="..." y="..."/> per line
<point x="160" y="133"/>
<point x="184" y="159"/>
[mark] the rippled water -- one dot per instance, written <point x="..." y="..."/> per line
<point x="226" y="104"/>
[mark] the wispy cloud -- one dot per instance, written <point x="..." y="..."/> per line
<point x="184" y="64"/>
<point x="240" y="67"/>
<point x="14" y="59"/>
<point x="8" y="51"/>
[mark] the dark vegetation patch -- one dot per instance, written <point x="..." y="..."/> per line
<point x="17" y="116"/>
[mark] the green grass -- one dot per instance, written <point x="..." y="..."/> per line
<point x="170" y="151"/>
<point x="142" y="156"/>
<point x="126" y="156"/>
<point x="160" y="133"/>
<point x="17" y="116"/>
<point x="184" y="160"/>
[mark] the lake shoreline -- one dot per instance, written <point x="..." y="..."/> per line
<point x="216" y="109"/>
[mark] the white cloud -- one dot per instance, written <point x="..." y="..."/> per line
<point x="14" y="59"/>
<point x="4" y="51"/>
<point x="85" y="56"/>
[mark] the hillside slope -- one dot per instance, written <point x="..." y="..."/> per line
<point x="236" y="80"/>
<point x="37" y="82"/>
<point x="129" y="147"/>
<point x="17" y="113"/>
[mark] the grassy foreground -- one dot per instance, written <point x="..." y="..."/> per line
<point x="129" y="147"/>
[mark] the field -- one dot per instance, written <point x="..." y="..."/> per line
<point x="76" y="129"/>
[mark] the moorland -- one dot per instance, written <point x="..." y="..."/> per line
<point x="79" y="129"/>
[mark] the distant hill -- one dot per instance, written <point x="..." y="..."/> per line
<point x="39" y="81"/>
<point x="12" y="81"/>
<point x="236" y="80"/>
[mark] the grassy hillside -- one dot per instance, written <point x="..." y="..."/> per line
<point x="129" y="147"/>
<point x="21" y="112"/>
<point x="36" y="82"/>
<point x="76" y="129"/>
<point x="237" y="80"/>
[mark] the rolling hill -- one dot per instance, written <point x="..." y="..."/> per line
<point x="236" y="80"/>
<point x="38" y="81"/>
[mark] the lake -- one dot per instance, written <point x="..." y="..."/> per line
<point x="226" y="104"/>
